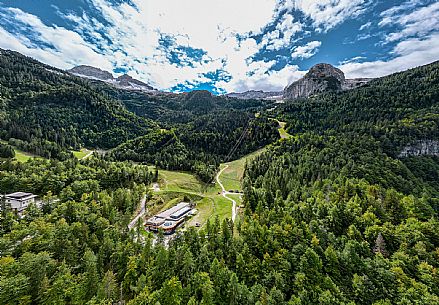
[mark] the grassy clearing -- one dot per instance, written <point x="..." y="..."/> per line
<point x="175" y="186"/>
<point x="282" y="132"/>
<point x="231" y="177"/>
<point x="20" y="155"/>
<point x="206" y="208"/>
<point x="81" y="153"/>
<point x="170" y="181"/>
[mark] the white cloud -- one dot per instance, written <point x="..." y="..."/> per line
<point x="417" y="40"/>
<point x="281" y="37"/>
<point x="306" y="51"/>
<point x="408" y="54"/>
<point x="420" y="22"/>
<point x="68" y="47"/>
<point x="264" y="79"/>
<point x="365" y="26"/>
<point x="223" y="29"/>
<point x="135" y="32"/>
<point x="326" y="14"/>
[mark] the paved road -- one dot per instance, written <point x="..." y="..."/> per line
<point x="141" y="213"/>
<point x="225" y="193"/>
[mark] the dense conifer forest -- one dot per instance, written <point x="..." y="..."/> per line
<point x="332" y="215"/>
<point x="46" y="111"/>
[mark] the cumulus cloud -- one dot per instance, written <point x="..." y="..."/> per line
<point x="226" y="44"/>
<point x="61" y="48"/>
<point x="306" y="51"/>
<point x="264" y="78"/>
<point x="131" y="38"/>
<point x="419" y="22"/>
<point x="283" y="34"/>
<point x="326" y="14"/>
<point x="410" y="53"/>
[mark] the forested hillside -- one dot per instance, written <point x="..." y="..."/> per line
<point x="47" y="111"/>
<point x="202" y="144"/>
<point x="332" y="215"/>
<point x="396" y="110"/>
<point x="39" y="102"/>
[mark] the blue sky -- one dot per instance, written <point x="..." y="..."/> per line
<point x="224" y="46"/>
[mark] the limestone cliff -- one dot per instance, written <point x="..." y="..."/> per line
<point x="321" y="77"/>
<point x="421" y="148"/>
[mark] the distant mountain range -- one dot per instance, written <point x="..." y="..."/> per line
<point x="321" y="77"/>
<point x="122" y="82"/>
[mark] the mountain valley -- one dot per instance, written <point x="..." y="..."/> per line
<point x="328" y="195"/>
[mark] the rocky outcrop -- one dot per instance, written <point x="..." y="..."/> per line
<point x="421" y="148"/>
<point x="321" y="77"/>
<point x="353" y="83"/>
<point x="91" y="72"/>
<point x="252" y="94"/>
<point x="125" y="81"/>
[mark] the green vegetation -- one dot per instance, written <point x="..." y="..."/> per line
<point x="282" y="131"/>
<point x="210" y="202"/>
<point x="183" y="185"/>
<point x="202" y="144"/>
<point x="51" y="111"/>
<point x="232" y="176"/>
<point x="13" y="152"/>
<point x="333" y="215"/>
<point x="22" y="156"/>
<point x="80" y="154"/>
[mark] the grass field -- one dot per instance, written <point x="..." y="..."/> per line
<point x="231" y="177"/>
<point x="81" y="153"/>
<point x="282" y="132"/>
<point x="210" y="203"/>
<point x="20" y="155"/>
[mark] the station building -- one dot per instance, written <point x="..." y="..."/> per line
<point x="169" y="219"/>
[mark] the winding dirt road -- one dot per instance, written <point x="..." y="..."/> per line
<point x="225" y="193"/>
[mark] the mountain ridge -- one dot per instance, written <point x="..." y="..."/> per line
<point x="124" y="81"/>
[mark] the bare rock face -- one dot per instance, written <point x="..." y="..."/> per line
<point x="354" y="83"/>
<point x="421" y="148"/>
<point x="253" y="94"/>
<point x="125" y="81"/>
<point x="321" y="77"/>
<point x="91" y="72"/>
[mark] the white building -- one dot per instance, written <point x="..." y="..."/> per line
<point x="19" y="201"/>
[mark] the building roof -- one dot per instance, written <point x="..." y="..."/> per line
<point x="20" y="195"/>
<point x="167" y="213"/>
<point x="180" y="213"/>
<point x="155" y="221"/>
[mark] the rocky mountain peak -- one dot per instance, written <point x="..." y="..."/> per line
<point x="127" y="81"/>
<point x="323" y="71"/>
<point x="91" y="72"/>
<point x="122" y="82"/>
<point x="321" y="77"/>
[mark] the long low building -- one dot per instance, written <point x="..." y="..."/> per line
<point x="169" y="219"/>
